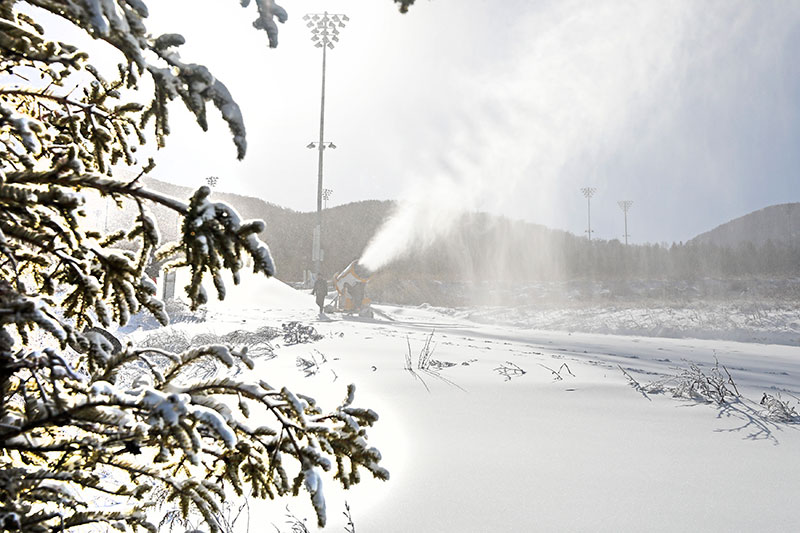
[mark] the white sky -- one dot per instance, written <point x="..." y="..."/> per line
<point x="690" y="109"/>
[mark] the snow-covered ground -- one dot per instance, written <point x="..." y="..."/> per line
<point x="748" y="310"/>
<point x="512" y="428"/>
<point x="738" y="321"/>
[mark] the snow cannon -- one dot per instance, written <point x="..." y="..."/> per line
<point x="351" y="286"/>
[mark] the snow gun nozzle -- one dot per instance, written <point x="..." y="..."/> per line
<point x="361" y="270"/>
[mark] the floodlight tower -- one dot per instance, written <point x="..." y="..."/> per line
<point x="326" y="195"/>
<point x="625" y="205"/>
<point x="588" y="192"/>
<point x="324" y="33"/>
<point x="212" y="181"/>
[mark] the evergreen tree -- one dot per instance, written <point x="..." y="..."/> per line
<point x="85" y="419"/>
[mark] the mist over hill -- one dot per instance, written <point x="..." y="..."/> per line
<point x="494" y="254"/>
<point x="480" y="246"/>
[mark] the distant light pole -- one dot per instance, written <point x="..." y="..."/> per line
<point x="212" y="181"/>
<point x="324" y="32"/>
<point x="625" y="205"/>
<point x="588" y="192"/>
<point x="326" y="195"/>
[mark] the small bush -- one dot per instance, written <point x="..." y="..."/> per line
<point x="778" y="409"/>
<point x="177" y="311"/>
<point x="297" y="333"/>
<point x="693" y="383"/>
<point x="509" y="370"/>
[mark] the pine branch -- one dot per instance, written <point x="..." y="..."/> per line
<point x="62" y="417"/>
<point x="74" y="421"/>
<point x="92" y="181"/>
<point x="89" y="109"/>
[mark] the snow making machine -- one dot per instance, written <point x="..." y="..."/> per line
<point x="351" y="285"/>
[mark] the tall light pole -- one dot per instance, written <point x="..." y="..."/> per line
<point x="625" y="205"/>
<point x="324" y="32"/>
<point x="588" y="192"/>
<point x="326" y="195"/>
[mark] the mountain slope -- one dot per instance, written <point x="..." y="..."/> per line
<point x="486" y="252"/>
<point x="479" y="246"/>
<point x="777" y="223"/>
<point x="289" y="234"/>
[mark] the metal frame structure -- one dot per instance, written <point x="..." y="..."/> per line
<point x="625" y="205"/>
<point x="324" y="33"/>
<point x="588" y="192"/>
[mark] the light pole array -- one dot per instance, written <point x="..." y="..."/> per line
<point x="324" y="33"/>
<point x="588" y="192"/>
<point x="625" y="205"/>
<point x="326" y="195"/>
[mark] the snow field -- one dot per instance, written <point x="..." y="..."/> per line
<point x="742" y="321"/>
<point x="470" y="450"/>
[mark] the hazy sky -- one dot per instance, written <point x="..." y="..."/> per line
<point x="689" y="108"/>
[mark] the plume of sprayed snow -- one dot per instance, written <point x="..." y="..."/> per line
<point x="427" y="213"/>
<point x="583" y="82"/>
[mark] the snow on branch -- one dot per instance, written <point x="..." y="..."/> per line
<point x="86" y="417"/>
<point x="121" y="24"/>
<point x="214" y="239"/>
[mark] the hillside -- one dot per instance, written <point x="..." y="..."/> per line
<point x="777" y="223"/>
<point x="489" y="258"/>
<point x="479" y="247"/>
<point x="289" y="234"/>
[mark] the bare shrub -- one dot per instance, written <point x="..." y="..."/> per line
<point x="298" y="525"/>
<point x="557" y="374"/>
<point x="297" y="333"/>
<point x="424" y="359"/>
<point x="350" y="527"/>
<point x="778" y="409"/>
<point x="311" y="366"/>
<point x="713" y="386"/>
<point x="693" y="383"/>
<point x="426" y="364"/>
<point x="178" y="311"/>
<point x="257" y="342"/>
<point x="717" y="386"/>
<point x="436" y="364"/>
<point x="638" y="386"/>
<point x="169" y="339"/>
<point x="509" y="370"/>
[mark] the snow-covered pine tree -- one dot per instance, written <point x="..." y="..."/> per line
<point x="91" y="432"/>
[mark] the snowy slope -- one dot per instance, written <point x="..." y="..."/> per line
<point x="778" y="223"/>
<point x="481" y="446"/>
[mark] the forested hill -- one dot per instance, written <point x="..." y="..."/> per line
<point x="777" y="223"/>
<point x="482" y="247"/>
<point x="289" y="233"/>
<point x="479" y="246"/>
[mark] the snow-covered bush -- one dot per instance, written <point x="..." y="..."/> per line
<point x="176" y="340"/>
<point x="178" y="311"/>
<point x="715" y="385"/>
<point x="297" y="333"/>
<point x="708" y="386"/>
<point x="90" y="431"/>
<point x="778" y="409"/>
